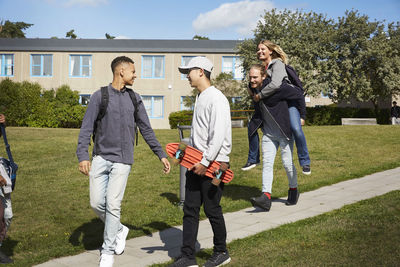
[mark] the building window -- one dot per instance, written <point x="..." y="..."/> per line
<point x="153" y="67"/>
<point x="80" y="66"/>
<point x="233" y="65"/>
<point x="183" y="107"/>
<point x="7" y="64"/>
<point x="84" y="100"/>
<point x="42" y="65"/>
<point x="154" y="106"/>
<point x="185" y="60"/>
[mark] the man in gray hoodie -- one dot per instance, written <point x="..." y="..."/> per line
<point x="113" y="153"/>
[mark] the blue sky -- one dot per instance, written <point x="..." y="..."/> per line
<point x="171" y="19"/>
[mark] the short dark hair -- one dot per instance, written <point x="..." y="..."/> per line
<point x="394" y="103"/>
<point x="119" y="60"/>
<point x="207" y="74"/>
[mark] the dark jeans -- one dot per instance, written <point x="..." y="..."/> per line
<point x="200" y="190"/>
<point x="254" y="147"/>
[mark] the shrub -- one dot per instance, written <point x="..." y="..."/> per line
<point x="27" y="104"/>
<point x="183" y="117"/>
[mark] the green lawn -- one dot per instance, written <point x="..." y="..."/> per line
<point x="52" y="217"/>
<point x="366" y="233"/>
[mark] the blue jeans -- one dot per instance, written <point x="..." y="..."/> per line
<point x="107" y="187"/>
<point x="254" y="147"/>
<point x="301" y="143"/>
<point x="270" y="146"/>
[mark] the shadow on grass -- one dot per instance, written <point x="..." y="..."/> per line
<point x="238" y="192"/>
<point x="91" y="234"/>
<point x="172" y="198"/>
<point x="8" y="246"/>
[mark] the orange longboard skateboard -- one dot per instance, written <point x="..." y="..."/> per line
<point x="187" y="156"/>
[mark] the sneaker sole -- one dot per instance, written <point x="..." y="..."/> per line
<point x="225" y="262"/>
<point x="307" y="173"/>
<point x="255" y="204"/>
<point x="249" y="168"/>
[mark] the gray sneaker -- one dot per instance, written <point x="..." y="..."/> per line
<point x="218" y="259"/>
<point x="183" y="261"/>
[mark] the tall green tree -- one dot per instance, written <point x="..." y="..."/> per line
<point x="10" y="29"/>
<point x="305" y="37"/>
<point x="365" y="62"/>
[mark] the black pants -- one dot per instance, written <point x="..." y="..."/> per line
<point x="200" y="190"/>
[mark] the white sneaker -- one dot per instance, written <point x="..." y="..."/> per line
<point x="121" y="240"/>
<point x="106" y="260"/>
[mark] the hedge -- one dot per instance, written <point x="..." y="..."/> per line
<point x="322" y="115"/>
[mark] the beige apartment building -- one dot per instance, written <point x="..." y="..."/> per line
<point x="84" y="65"/>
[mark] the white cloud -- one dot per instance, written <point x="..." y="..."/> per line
<point x="243" y="16"/>
<point x="85" y="2"/>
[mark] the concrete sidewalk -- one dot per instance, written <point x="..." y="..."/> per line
<point x="164" y="245"/>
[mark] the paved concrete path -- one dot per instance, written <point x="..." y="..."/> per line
<point x="162" y="246"/>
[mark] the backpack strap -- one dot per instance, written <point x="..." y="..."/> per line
<point x="136" y="107"/>
<point x="102" y="109"/>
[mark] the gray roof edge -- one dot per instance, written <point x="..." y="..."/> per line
<point x="119" y="45"/>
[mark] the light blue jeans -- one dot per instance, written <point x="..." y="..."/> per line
<point x="299" y="137"/>
<point x="269" y="148"/>
<point x="107" y="187"/>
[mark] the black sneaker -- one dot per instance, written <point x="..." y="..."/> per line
<point x="307" y="169"/>
<point x="262" y="202"/>
<point x="183" y="261"/>
<point x="248" y="166"/>
<point x="293" y="196"/>
<point x="4" y="258"/>
<point x="218" y="259"/>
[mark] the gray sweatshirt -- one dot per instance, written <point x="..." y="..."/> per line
<point x="277" y="71"/>
<point x="115" y="136"/>
<point x="211" y="126"/>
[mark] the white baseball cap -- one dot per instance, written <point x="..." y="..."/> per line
<point x="197" y="62"/>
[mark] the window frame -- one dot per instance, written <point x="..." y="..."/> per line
<point x="81" y="66"/>
<point x="3" y="65"/>
<point x="153" y="57"/>
<point x="41" y="65"/>
<point x="151" y="116"/>
<point x="232" y="70"/>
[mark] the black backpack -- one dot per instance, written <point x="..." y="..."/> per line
<point x="104" y="105"/>
<point x="293" y="77"/>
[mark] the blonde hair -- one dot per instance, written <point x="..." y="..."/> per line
<point x="277" y="51"/>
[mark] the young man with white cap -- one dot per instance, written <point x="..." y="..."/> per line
<point x="211" y="134"/>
